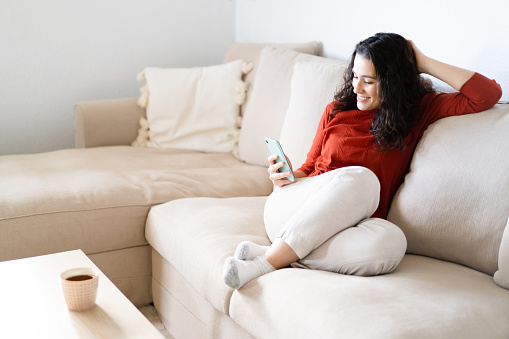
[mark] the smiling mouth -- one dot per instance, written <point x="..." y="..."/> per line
<point x="361" y="99"/>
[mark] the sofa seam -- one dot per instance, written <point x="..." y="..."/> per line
<point x="130" y="278"/>
<point x="77" y="210"/>
<point x="118" y="249"/>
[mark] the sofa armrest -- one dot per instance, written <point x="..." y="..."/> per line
<point x="107" y="122"/>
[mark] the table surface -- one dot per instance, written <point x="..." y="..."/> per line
<point x="32" y="304"/>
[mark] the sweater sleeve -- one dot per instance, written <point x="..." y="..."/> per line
<point x="476" y="95"/>
<point x="316" y="147"/>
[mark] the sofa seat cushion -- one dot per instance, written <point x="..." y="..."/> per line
<point x="423" y="298"/>
<point x="97" y="199"/>
<point x="196" y="236"/>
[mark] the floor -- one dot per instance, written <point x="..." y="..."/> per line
<point x="151" y="314"/>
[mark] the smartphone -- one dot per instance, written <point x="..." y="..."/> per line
<point x="275" y="148"/>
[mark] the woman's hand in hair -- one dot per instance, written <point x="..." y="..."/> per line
<point x="419" y="56"/>
<point x="454" y="76"/>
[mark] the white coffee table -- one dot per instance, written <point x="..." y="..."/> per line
<point x="32" y="304"/>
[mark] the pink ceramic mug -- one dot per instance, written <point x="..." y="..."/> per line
<point x="80" y="287"/>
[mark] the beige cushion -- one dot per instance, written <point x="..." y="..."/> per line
<point x="250" y="52"/>
<point x="268" y="103"/>
<point x="194" y="108"/>
<point x="454" y="202"/>
<point x="312" y="88"/>
<point x="97" y="199"/>
<point x="501" y="277"/>
<point x="424" y="298"/>
<point x="196" y="236"/>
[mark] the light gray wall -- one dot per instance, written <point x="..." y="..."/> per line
<point x="473" y="34"/>
<point x="56" y="53"/>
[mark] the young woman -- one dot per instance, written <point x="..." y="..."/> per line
<point x="358" y="159"/>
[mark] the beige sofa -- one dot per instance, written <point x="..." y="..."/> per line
<point x="453" y="208"/>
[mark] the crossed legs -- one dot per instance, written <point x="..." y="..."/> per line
<point x="302" y="217"/>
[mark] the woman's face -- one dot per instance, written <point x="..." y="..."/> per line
<point x="365" y="84"/>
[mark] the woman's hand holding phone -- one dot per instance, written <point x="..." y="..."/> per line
<point x="280" y="174"/>
<point x="279" y="179"/>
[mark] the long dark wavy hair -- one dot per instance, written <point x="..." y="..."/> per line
<point x="399" y="84"/>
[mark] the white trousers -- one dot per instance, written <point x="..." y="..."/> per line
<point x="325" y="220"/>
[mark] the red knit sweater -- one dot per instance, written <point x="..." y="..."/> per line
<point x="345" y="140"/>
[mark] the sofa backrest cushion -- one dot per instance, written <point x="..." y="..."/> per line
<point x="250" y="52"/>
<point x="268" y="103"/>
<point x="313" y="87"/>
<point x="454" y="202"/>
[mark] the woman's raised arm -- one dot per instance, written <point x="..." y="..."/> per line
<point x="454" y="76"/>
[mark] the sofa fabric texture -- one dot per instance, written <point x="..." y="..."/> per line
<point x="127" y="268"/>
<point x="111" y="122"/>
<point x="196" y="241"/>
<point x="454" y="202"/>
<point x="424" y="298"/>
<point x="184" y="310"/>
<point x="105" y="194"/>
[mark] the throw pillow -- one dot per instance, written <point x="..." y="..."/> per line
<point x="312" y="89"/>
<point x="194" y="108"/>
<point x="454" y="202"/>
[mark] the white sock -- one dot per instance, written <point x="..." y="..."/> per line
<point x="247" y="250"/>
<point x="236" y="272"/>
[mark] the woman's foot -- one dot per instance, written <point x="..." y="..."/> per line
<point x="247" y="250"/>
<point x="237" y="272"/>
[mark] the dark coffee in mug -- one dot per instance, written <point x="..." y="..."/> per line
<point x="80" y="277"/>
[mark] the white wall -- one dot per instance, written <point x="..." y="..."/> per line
<point x="473" y="34"/>
<point x="55" y="53"/>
